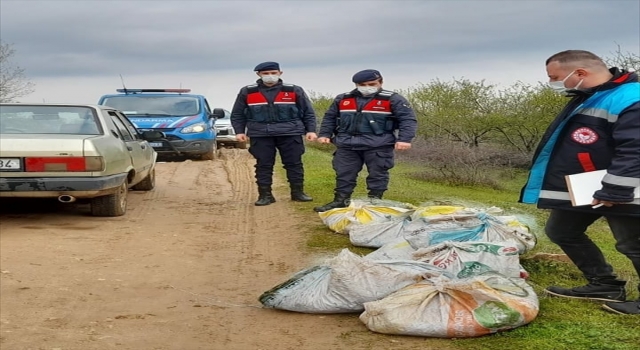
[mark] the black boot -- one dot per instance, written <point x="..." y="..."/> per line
<point x="298" y="195"/>
<point x="375" y="194"/>
<point x="265" y="197"/>
<point x="340" y="200"/>
<point x="623" y="308"/>
<point x="597" y="289"/>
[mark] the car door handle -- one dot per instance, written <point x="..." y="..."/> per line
<point x="143" y="146"/>
<point x="130" y="148"/>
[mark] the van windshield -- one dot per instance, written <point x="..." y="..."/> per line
<point x="154" y="106"/>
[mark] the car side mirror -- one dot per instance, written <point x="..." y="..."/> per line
<point x="153" y="135"/>
<point x="218" y="113"/>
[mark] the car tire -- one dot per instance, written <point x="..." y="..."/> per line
<point x="241" y="145"/>
<point x="148" y="183"/>
<point x="212" y="154"/>
<point x="111" y="205"/>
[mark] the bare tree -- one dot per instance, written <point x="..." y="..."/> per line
<point x="13" y="81"/>
<point x="625" y="60"/>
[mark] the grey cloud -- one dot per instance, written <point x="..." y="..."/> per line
<point x="67" y="38"/>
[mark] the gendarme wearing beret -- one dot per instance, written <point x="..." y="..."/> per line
<point x="267" y="66"/>
<point x="366" y="75"/>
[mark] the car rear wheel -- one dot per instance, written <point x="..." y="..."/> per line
<point x="112" y="205"/>
<point x="212" y="154"/>
<point x="148" y="183"/>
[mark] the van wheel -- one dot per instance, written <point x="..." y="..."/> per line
<point x="212" y="154"/>
<point x="148" y="183"/>
<point x="111" y="205"/>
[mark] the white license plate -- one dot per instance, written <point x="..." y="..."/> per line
<point x="155" y="144"/>
<point x="10" y="164"/>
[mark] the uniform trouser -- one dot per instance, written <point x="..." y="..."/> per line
<point x="291" y="149"/>
<point x="567" y="229"/>
<point x="347" y="163"/>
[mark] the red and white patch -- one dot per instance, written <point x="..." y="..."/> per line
<point x="585" y="136"/>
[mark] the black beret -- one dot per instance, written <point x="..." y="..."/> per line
<point x="366" y="75"/>
<point x="267" y="66"/>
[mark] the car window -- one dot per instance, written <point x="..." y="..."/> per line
<point x="129" y="125"/>
<point x="122" y="130"/>
<point x="207" y="109"/>
<point x="32" y="119"/>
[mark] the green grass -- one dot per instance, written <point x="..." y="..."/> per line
<point x="561" y="323"/>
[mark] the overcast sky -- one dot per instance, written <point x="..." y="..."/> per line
<point x="75" y="51"/>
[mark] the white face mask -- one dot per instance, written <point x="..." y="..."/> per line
<point x="367" y="90"/>
<point x="270" y="78"/>
<point x="559" y="87"/>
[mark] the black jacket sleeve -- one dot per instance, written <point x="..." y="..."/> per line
<point x="407" y="122"/>
<point x="238" y="113"/>
<point x="305" y="107"/>
<point x="330" y="119"/>
<point x="623" y="175"/>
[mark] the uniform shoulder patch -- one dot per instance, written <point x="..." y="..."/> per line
<point x="584" y="136"/>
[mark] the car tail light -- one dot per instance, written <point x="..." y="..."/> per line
<point x="70" y="164"/>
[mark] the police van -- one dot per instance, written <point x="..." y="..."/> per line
<point x="186" y="120"/>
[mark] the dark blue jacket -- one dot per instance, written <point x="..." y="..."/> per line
<point x="403" y="123"/>
<point x="244" y="121"/>
<point x="598" y="129"/>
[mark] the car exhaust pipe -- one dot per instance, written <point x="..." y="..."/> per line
<point x="65" y="198"/>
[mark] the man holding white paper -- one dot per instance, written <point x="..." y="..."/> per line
<point x="598" y="129"/>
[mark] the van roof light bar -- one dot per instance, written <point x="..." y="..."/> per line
<point x="136" y="91"/>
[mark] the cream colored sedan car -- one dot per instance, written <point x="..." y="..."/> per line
<point x="74" y="152"/>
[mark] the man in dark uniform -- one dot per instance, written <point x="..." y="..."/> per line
<point x="274" y="116"/>
<point x="366" y="125"/>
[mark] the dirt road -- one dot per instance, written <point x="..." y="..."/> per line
<point x="181" y="270"/>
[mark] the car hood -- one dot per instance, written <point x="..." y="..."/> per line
<point x="162" y="122"/>
<point x="31" y="145"/>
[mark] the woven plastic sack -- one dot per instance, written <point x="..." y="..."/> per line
<point x="424" y="231"/>
<point x="345" y="283"/>
<point x="454" y="308"/>
<point x="364" y="211"/>
<point x="467" y="259"/>
<point x="397" y="249"/>
<point x="377" y="234"/>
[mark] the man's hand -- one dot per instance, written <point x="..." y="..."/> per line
<point x="401" y="146"/>
<point x="324" y="140"/>
<point x="311" y="136"/>
<point x="241" y="137"/>
<point x="596" y="203"/>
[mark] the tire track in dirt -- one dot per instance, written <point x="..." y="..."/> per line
<point x="182" y="270"/>
<point x="268" y="252"/>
